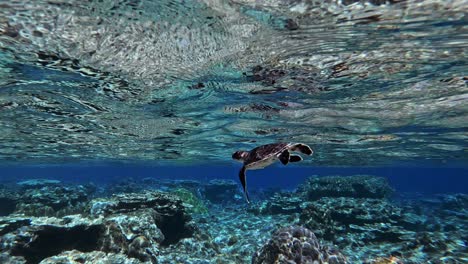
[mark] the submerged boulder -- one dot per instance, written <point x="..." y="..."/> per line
<point x="126" y="225"/>
<point x="36" y="238"/>
<point x="53" y="200"/>
<point x="220" y="191"/>
<point x="168" y="211"/>
<point x="280" y="203"/>
<point x="296" y="244"/>
<point x="77" y="257"/>
<point x="8" y="201"/>
<point x="358" y="186"/>
<point x="37" y="183"/>
<point x="369" y="220"/>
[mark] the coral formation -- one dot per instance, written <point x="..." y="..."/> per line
<point x="76" y="257"/>
<point x="8" y="201"/>
<point x="280" y="203"/>
<point x="220" y="191"/>
<point x="296" y="244"/>
<point x="358" y="186"/>
<point x="31" y="238"/>
<point x="170" y="215"/>
<point x="51" y="200"/>
<point x="163" y="227"/>
<point x="373" y="219"/>
<point x="37" y="183"/>
<point x="191" y="202"/>
<point x="135" y="225"/>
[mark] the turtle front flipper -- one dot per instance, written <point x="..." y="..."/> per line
<point x="303" y="148"/>
<point x="294" y="158"/>
<point x="284" y="157"/>
<point x="242" y="178"/>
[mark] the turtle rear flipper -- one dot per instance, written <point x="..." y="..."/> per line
<point x="284" y="157"/>
<point x="294" y="158"/>
<point x="303" y="148"/>
<point x="242" y="178"/>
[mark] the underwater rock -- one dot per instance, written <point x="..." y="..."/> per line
<point x="170" y="215"/>
<point x="8" y="201"/>
<point x="7" y="258"/>
<point x="371" y="220"/>
<point x="32" y="238"/>
<point x="37" y="183"/>
<point x="125" y="186"/>
<point x="296" y="245"/>
<point x="280" y="203"/>
<point x="77" y="257"/>
<point x="358" y="186"/>
<point x="188" y="184"/>
<point x="191" y="201"/>
<point x="455" y="202"/>
<point x="11" y="224"/>
<point x="53" y="200"/>
<point x="134" y="234"/>
<point x="220" y="191"/>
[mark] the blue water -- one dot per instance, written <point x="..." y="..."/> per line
<point x="424" y="180"/>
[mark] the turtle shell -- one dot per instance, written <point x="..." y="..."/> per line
<point x="265" y="152"/>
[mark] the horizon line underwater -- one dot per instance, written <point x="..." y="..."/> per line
<point x="233" y="131"/>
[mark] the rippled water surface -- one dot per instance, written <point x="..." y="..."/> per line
<point x="192" y="81"/>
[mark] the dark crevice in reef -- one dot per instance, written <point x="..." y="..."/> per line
<point x="7" y="206"/>
<point x="174" y="228"/>
<point x="52" y="240"/>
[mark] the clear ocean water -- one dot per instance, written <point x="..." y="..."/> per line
<point x="118" y="121"/>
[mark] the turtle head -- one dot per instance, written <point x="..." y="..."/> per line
<point x="240" y="155"/>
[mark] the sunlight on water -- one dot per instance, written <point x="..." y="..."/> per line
<point x="363" y="83"/>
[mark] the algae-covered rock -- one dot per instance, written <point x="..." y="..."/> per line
<point x="220" y="191"/>
<point x="10" y="224"/>
<point x="134" y="234"/>
<point x="8" y="201"/>
<point x="135" y="225"/>
<point x="296" y="245"/>
<point x="99" y="257"/>
<point x="32" y="238"/>
<point x="37" y="183"/>
<point x="280" y="203"/>
<point x="53" y="200"/>
<point x="192" y="202"/>
<point x="7" y="258"/>
<point x="170" y="215"/>
<point x="359" y="186"/>
<point x="371" y="220"/>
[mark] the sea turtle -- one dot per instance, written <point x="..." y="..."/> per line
<point x="262" y="156"/>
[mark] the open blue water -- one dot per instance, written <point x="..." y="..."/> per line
<point x="423" y="180"/>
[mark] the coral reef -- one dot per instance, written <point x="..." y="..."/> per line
<point x="37" y="183"/>
<point x="220" y="191"/>
<point x="51" y="200"/>
<point x="76" y="257"/>
<point x="358" y="186"/>
<point x="129" y="185"/>
<point x="191" y="202"/>
<point x="8" y="201"/>
<point x="170" y="215"/>
<point x="296" y="245"/>
<point x="135" y="225"/>
<point x="167" y="227"/>
<point x="280" y="203"/>
<point x="31" y="238"/>
<point x="375" y="220"/>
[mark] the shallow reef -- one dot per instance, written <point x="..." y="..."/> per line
<point x="296" y="245"/>
<point x="353" y="219"/>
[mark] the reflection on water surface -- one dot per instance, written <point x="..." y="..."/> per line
<point x="192" y="81"/>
